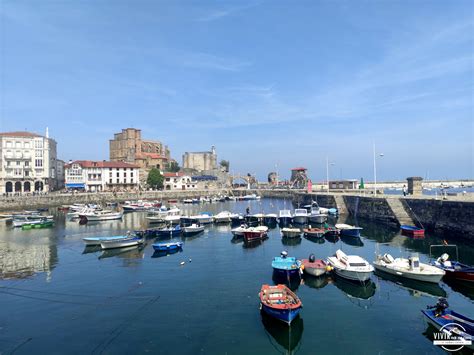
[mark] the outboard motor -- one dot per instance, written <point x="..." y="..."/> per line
<point x="284" y="254"/>
<point x="440" y="307"/>
<point x="312" y="258"/>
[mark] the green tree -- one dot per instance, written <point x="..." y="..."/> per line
<point x="225" y="164"/>
<point x="155" y="179"/>
<point x="173" y="167"/>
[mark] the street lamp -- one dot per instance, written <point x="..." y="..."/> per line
<point x="375" y="172"/>
<point x="327" y="171"/>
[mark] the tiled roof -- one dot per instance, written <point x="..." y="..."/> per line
<point x="101" y="164"/>
<point x="19" y="134"/>
<point x="298" y="169"/>
<point x="178" y="174"/>
<point x="151" y="155"/>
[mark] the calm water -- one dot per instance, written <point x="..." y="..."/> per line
<point x="59" y="298"/>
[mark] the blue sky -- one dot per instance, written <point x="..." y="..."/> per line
<point x="269" y="83"/>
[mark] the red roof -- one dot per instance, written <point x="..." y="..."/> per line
<point x="19" y="134"/>
<point x="101" y="164"/>
<point x="173" y="174"/>
<point x="299" y="169"/>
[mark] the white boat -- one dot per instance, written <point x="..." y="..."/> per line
<point x="105" y="215"/>
<point x="204" y="218"/>
<point x="300" y="216"/>
<point x="223" y="217"/>
<point x="20" y="220"/>
<point x="316" y="216"/>
<point x="250" y="197"/>
<point x="410" y="268"/>
<point x="193" y="229"/>
<point x="173" y="216"/>
<point x="351" y="267"/>
<point x="348" y="230"/>
<point x="291" y="232"/>
<point x="121" y="243"/>
<point x="97" y="240"/>
<point x="239" y="231"/>
<point x="285" y="217"/>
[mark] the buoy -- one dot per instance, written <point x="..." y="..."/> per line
<point x="182" y="263"/>
<point x="190" y="260"/>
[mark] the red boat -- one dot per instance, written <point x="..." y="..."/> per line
<point x="255" y="233"/>
<point x="313" y="266"/>
<point x="280" y="302"/>
<point x="454" y="269"/>
<point x="412" y="231"/>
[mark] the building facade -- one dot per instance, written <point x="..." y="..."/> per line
<point x="179" y="181"/>
<point x="298" y="178"/>
<point x="27" y="162"/>
<point x="128" y="146"/>
<point x="201" y="161"/>
<point x="95" y="176"/>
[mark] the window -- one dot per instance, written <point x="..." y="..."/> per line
<point x="110" y="181"/>
<point x="8" y="163"/>
<point x="118" y="174"/>
<point x="38" y="153"/>
<point x="9" y="144"/>
<point x="27" y="173"/>
<point x="131" y="174"/>
<point x="27" y="145"/>
<point x="38" y="163"/>
<point x="18" y="144"/>
<point x="125" y="175"/>
<point x="18" y="163"/>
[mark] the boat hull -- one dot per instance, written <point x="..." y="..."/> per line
<point x="167" y="247"/>
<point x="300" y="219"/>
<point x="284" y="315"/>
<point x="190" y="231"/>
<point x="314" y="271"/>
<point x="254" y="236"/>
<point x="433" y="278"/>
<point x="120" y="243"/>
<point x="111" y="217"/>
<point x="285" y="220"/>
<point x="97" y="240"/>
<point x="413" y="232"/>
<point x="352" y="232"/>
<point x="320" y="219"/>
<point x="353" y="275"/>
<point x="286" y="273"/>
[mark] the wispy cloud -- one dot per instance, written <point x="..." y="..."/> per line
<point x="218" y="14"/>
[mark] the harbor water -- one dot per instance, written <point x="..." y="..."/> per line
<point x="58" y="297"/>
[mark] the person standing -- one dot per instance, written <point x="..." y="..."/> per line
<point x="404" y="190"/>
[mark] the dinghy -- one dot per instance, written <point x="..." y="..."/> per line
<point x="313" y="266"/>
<point x="279" y="302"/>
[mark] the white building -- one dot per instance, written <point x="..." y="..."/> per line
<point x="87" y="175"/>
<point x="27" y="162"/>
<point x="178" y="181"/>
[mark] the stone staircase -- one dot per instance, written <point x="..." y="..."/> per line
<point x="399" y="211"/>
<point x="340" y="204"/>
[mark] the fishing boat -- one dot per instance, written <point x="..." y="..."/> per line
<point x="255" y="233"/>
<point x="239" y="231"/>
<point x="348" y="230"/>
<point x="167" y="246"/>
<point x="97" y="240"/>
<point x="204" y="218"/>
<point x="300" y="216"/>
<point x="187" y="220"/>
<point x="156" y="218"/>
<point x="194" y="228"/>
<point x="313" y="266"/>
<point x="290" y="232"/>
<point x="410" y="268"/>
<point x="169" y="231"/>
<point x="314" y="232"/>
<point x="270" y="219"/>
<point x="173" y="216"/>
<point x="188" y="200"/>
<point x="237" y="219"/>
<point x="285" y="266"/>
<point x="331" y="231"/>
<point x="450" y="322"/>
<point x="351" y="267"/>
<point x="285" y="217"/>
<point x="412" y="231"/>
<point x="454" y="270"/>
<point x="104" y="215"/>
<point x="121" y="243"/>
<point x="222" y="217"/>
<point x="315" y="216"/>
<point x="21" y="219"/>
<point x="42" y="223"/>
<point x="279" y="302"/>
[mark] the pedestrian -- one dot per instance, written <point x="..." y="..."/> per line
<point x="247" y="210"/>
<point x="404" y="190"/>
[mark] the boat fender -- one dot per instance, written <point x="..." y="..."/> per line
<point x="302" y="267"/>
<point x="312" y="258"/>
<point x="328" y="268"/>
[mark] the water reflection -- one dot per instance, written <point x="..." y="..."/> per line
<point x="331" y="238"/>
<point x="285" y="336"/>
<point x="161" y="253"/>
<point x="290" y="241"/>
<point x="292" y="282"/>
<point x="465" y="288"/>
<point x="316" y="282"/>
<point x="356" y="242"/>
<point x="133" y="252"/>
<point x="414" y="288"/>
<point x="91" y="249"/>
<point x="315" y="240"/>
<point x="360" y="290"/>
<point x="253" y="244"/>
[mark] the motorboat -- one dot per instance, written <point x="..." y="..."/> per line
<point x="348" y="230"/>
<point x="255" y="219"/>
<point x="169" y="231"/>
<point x="104" y="215"/>
<point x="194" y="228"/>
<point x="188" y="200"/>
<point x="410" y="268"/>
<point x="255" y="233"/>
<point x="250" y="197"/>
<point x="412" y="231"/>
<point x="315" y="216"/>
<point x="352" y="267"/>
<point x="97" y="240"/>
<point x="300" y="216"/>
<point x="237" y="219"/>
<point x="314" y="232"/>
<point x="286" y="266"/>
<point x="270" y="219"/>
<point x="22" y="219"/>
<point x="313" y="266"/>
<point x="222" y="217"/>
<point x="285" y="217"/>
<point x="454" y="270"/>
<point x="280" y="302"/>
<point x="37" y="224"/>
<point x="239" y="231"/>
<point x="121" y="243"/>
<point x="204" y="218"/>
<point x="290" y="232"/>
<point x="167" y="246"/>
<point x="173" y="216"/>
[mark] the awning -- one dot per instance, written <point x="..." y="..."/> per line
<point x="78" y="186"/>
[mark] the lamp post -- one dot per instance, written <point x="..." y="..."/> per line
<point x="327" y="171"/>
<point x="375" y="173"/>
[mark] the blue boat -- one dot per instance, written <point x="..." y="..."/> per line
<point x="451" y="322"/>
<point x="284" y="266"/>
<point x="169" y="231"/>
<point x="348" y="230"/>
<point x="280" y="302"/>
<point x="168" y="246"/>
